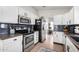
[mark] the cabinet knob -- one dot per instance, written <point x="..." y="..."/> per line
<point x="15" y="39"/>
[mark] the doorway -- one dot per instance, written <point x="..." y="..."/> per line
<point x="49" y="31"/>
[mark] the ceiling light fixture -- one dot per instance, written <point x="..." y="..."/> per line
<point x="43" y="6"/>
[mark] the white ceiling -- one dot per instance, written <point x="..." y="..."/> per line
<point x="51" y="7"/>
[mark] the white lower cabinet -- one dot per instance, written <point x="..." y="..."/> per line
<point x="11" y="45"/>
<point x="70" y="47"/>
<point x="1" y="45"/>
<point x="36" y="37"/>
<point x="58" y="37"/>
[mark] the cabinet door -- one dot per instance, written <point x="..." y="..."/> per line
<point x="13" y="44"/>
<point x="21" y="11"/>
<point x="36" y="37"/>
<point x="1" y="14"/>
<point x="9" y="14"/>
<point x="58" y="20"/>
<point x="63" y="38"/>
<point x="70" y="46"/>
<point x="66" y="19"/>
<point x="71" y="16"/>
<point x="1" y="45"/>
<point x="58" y="37"/>
<point x="32" y="18"/>
<point x="76" y="15"/>
<point x="55" y="37"/>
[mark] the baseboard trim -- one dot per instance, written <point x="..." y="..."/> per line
<point x="58" y="43"/>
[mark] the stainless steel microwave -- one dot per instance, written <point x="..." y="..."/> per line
<point x="23" y="20"/>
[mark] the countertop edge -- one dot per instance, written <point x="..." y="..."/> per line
<point x="5" y="37"/>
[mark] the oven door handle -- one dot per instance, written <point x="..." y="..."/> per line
<point x="28" y="35"/>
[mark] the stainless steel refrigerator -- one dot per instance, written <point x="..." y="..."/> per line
<point x="40" y="26"/>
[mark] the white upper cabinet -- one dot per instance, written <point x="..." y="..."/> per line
<point x="58" y="20"/>
<point x="32" y="18"/>
<point x="76" y="15"/>
<point x="68" y="18"/>
<point x="8" y="14"/>
<point x="64" y="19"/>
<point x="23" y="12"/>
<point x="71" y="16"/>
<point x="55" y="20"/>
<point x="29" y="14"/>
<point x="1" y="14"/>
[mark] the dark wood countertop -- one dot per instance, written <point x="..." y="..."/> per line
<point x="4" y="37"/>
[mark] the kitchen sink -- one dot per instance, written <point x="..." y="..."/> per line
<point x="75" y="38"/>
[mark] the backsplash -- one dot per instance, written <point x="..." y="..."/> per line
<point x="4" y="31"/>
<point x="8" y="28"/>
<point x="60" y="28"/>
<point x="71" y="29"/>
<point x="4" y="28"/>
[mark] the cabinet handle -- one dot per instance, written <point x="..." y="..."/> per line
<point x="15" y="39"/>
<point x="68" y="48"/>
<point x="65" y="36"/>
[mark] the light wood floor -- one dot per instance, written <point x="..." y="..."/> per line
<point x="55" y="47"/>
<point x="48" y="44"/>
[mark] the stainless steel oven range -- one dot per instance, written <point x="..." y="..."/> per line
<point x="28" y="42"/>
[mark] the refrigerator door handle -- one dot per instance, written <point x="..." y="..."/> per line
<point x="43" y="27"/>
